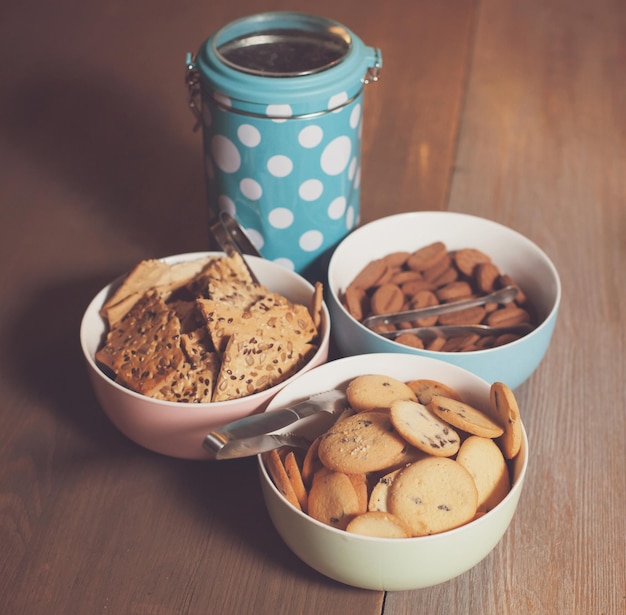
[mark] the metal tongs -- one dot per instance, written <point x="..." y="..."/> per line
<point x="233" y="239"/>
<point x="503" y="295"/>
<point x="295" y="425"/>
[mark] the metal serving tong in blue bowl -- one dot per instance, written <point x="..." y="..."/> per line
<point x="295" y="425"/>
<point x="503" y="295"/>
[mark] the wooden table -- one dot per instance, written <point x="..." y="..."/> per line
<point x="510" y="110"/>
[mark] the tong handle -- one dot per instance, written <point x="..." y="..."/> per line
<point x="504" y="295"/>
<point x="232" y="239"/>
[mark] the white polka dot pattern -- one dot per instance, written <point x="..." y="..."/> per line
<point x="293" y="183"/>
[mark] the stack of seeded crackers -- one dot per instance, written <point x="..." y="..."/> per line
<point x="203" y="331"/>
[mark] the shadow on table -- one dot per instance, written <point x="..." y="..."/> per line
<point x="42" y="358"/>
<point x="45" y="363"/>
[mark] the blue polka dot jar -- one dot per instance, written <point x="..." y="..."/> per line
<point x="281" y="107"/>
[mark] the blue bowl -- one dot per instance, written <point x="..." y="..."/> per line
<point x="514" y="254"/>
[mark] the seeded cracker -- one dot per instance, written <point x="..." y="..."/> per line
<point x="251" y="364"/>
<point x="262" y="319"/>
<point x="144" y="349"/>
<point x="149" y="275"/>
<point x="221" y="269"/>
<point x="171" y="328"/>
<point x="194" y="381"/>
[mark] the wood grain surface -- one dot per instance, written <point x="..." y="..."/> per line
<point x="509" y="110"/>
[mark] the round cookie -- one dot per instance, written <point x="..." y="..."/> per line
<point x="483" y="459"/>
<point x="332" y="499"/>
<point x="359" y="482"/>
<point x="380" y="491"/>
<point x="504" y="405"/>
<point x="425" y="389"/>
<point x="465" y="417"/>
<point x="372" y="391"/>
<point x="364" y="442"/>
<point x="433" y="495"/>
<point x="418" y="426"/>
<point x="379" y="524"/>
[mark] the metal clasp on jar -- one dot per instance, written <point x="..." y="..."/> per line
<point x="372" y="74"/>
<point x="192" y="79"/>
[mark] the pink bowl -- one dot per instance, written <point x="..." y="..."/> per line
<point x="175" y="429"/>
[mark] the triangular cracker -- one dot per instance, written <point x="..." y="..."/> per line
<point x="191" y="383"/>
<point x="236" y="292"/>
<point x="151" y="274"/>
<point x="251" y="364"/>
<point x="280" y="321"/>
<point x="223" y="269"/>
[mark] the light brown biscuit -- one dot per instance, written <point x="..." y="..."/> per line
<point x="409" y="339"/>
<point x="364" y="442"/>
<point x="387" y="298"/>
<point x="395" y="260"/>
<point x="425" y="388"/>
<point x="483" y="459"/>
<point x="359" y="482"/>
<point x="356" y="301"/>
<point x="371" y="274"/>
<point x="458" y="290"/>
<point x="332" y="499"/>
<point x="311" y="462"/>
<point x="316" y="305"/>
<point x="410" y="454"/>
<point x="440" y="271"/>
<point x="467" y="316"/>
<point x="486" y="276"/>
<point x="380" y="491"/>
<point x="427" y="256"/>
<point x="508" y="316"/>
<point x="465" y="417"/>
<point x="276" y="470"/>
<point x="379" y="524"/>
<point x="461" y="343"/>
<point x="467" y="259"/>
<point x="424" y="299"/>
<point x="433" y="495"/>
<point x="447" y="276"/>
<point x="372" y="391"/>
<point x="411" y="287"/>
<point x="418" y="426"/>
<point x="404" y="276"/>
<point x="504" y="406"/>
<point x="295" y="478"/>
